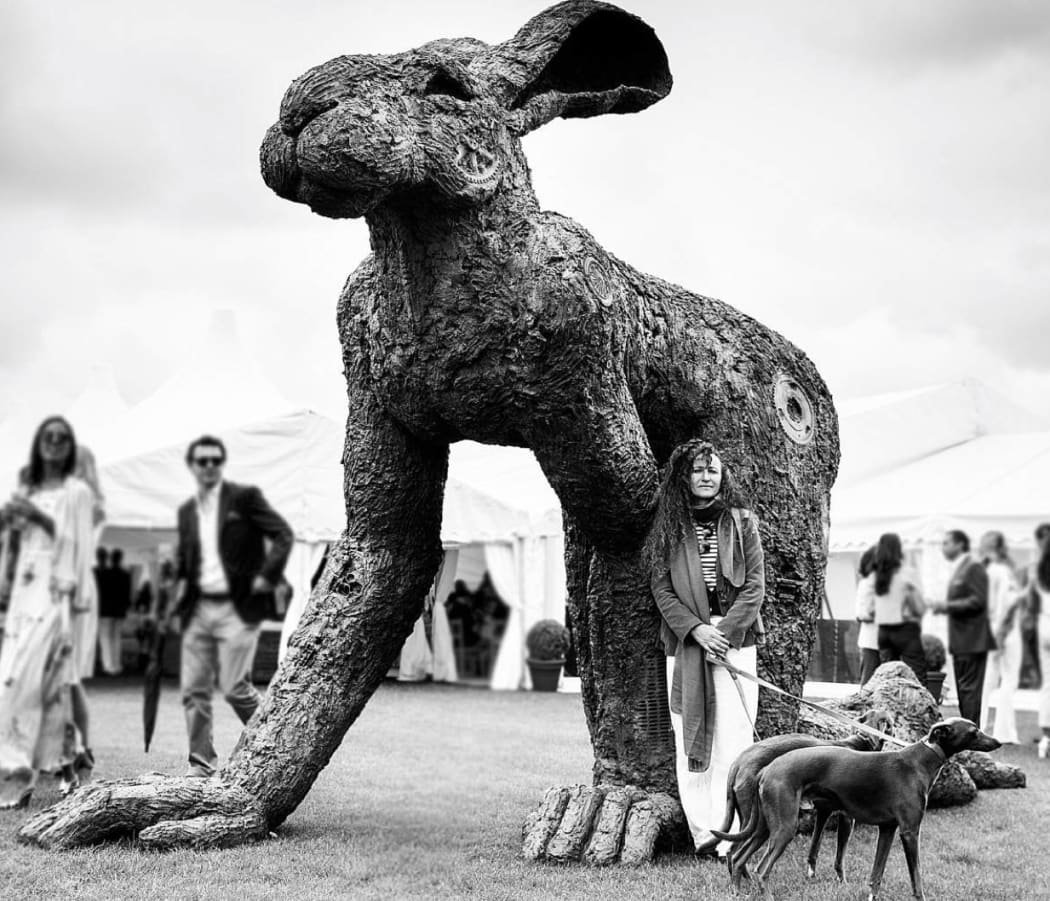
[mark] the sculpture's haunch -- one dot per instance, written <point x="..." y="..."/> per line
<point x="480" y="316"/>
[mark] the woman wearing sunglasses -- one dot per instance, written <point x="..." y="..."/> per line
<point x="51" y="585"/>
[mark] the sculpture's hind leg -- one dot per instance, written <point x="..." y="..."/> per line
<point x="358" y="616"/>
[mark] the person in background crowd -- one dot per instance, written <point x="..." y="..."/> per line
<point x="899" y="606"/>
<point x="708" y="581"/>
<point x="969" y="635"/>
<point x="1004" y="661"/>
<point x="1036" y="607"/>
<point x="100" y="567"/>
<point x="85" y="623"/>
<point x="868" y="633"/>
<point x="460" y="607"/>
<point x="52" y="511"/>
<point x="155" y="605"/>
<point x="225" y="577"/>
<point x="114" y="599"/>
<point x="101" y="571"/>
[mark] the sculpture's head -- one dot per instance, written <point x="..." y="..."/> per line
<point x="446" y="119"/>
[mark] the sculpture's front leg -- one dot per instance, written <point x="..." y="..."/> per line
<point x="601" y="466"/>
<point x="632" y="807"/>
<point x="358" y="616"/>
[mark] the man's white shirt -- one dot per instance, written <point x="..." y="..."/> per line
<point x="213" y="577"/>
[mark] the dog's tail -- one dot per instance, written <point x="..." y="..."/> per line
<point x="746" y="832"/>
<point x="732" y="809"/>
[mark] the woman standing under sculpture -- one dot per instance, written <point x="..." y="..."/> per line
<point x="708" y="579"/>
<point x="1004" y="663"/>
<point x="52" y="510"/>
<point x="899" y="607"/>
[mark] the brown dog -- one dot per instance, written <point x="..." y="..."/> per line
<point x="742" y="783"/>
<point x="887" y="789"/>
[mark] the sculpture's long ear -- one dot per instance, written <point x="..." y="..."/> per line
<point x="579" y="58"/>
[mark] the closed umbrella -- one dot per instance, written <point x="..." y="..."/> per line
<point x="151" y="684"/>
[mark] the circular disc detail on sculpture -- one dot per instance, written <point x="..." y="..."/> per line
<point x="476" y="164"/>
<point x="599" y="282"/>
<point x="794" y="410"/>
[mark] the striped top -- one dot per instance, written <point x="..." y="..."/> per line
<point x="707" y="543"/>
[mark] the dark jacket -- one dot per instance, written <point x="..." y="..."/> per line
<point x="681" y="595"/>
<point x="967" y="596"/>
<point x="114" y="591"/>
<point x="1031" y="604"/>
<point x="245" y="519"/>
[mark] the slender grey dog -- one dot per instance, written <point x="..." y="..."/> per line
<point x="742" y="785"/>
<point x="887" y="789"/>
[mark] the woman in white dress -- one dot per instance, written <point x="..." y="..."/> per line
<point x="868" y="631"/>
<point x="1004" y="663"/>
<point x="52" y="512"/>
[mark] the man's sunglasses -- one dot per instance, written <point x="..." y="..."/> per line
<point x="208" y="461"/>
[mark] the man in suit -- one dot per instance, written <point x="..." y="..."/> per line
<point x="114" y="599"/>
<point x="225" y="575"/>
<point x="969" y="634"/>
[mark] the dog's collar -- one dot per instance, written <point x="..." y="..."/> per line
<point x="937" y="748"/>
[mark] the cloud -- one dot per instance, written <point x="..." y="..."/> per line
<point x="816" y="165"/>
<point x="957" y="33"/>
<point x="874" y="354"/>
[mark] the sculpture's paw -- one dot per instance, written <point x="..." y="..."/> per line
<point x="602" y="825"/>
<point x="158" y="811"/>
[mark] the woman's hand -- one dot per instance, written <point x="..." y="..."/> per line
<point x="20" y="507"/>
<point x="710" y="639"/>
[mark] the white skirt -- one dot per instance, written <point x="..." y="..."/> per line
<point x="703" y="795"/>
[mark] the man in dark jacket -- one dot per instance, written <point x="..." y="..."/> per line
<point x="114" y="599"/>
<point x="226" y="576"/>
<point x="969" y="635"/>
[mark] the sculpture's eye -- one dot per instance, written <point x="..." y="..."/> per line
<point x="444" y="85"/>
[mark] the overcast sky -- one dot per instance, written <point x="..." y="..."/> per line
<point x="869" y="178"/>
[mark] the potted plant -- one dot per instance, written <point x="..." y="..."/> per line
<point x="546" y="643"/>
<point x="936" y="657"/>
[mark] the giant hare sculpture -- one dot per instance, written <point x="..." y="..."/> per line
<point x="480" y="316"/>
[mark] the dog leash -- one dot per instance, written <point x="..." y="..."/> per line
<point x="736" y="673"/>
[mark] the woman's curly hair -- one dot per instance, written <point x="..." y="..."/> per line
<point x="675" y="499"/>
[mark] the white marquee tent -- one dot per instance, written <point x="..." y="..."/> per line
<point x="881" y="432"/>
<point x="499" y="513"/>
<point x="954" y="456"/>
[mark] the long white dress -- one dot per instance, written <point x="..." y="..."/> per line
<point x="1004" y="663"/>
<point x="36" y="658"/>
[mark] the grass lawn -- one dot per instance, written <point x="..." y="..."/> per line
<point x="425" y="799"/>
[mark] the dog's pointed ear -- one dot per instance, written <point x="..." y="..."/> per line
<point x="939" y="732"/>
<point x="579" y="58"/>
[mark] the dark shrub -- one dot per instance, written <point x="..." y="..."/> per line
<point x="547" y="640"/>
<point x="933" y="648"/>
